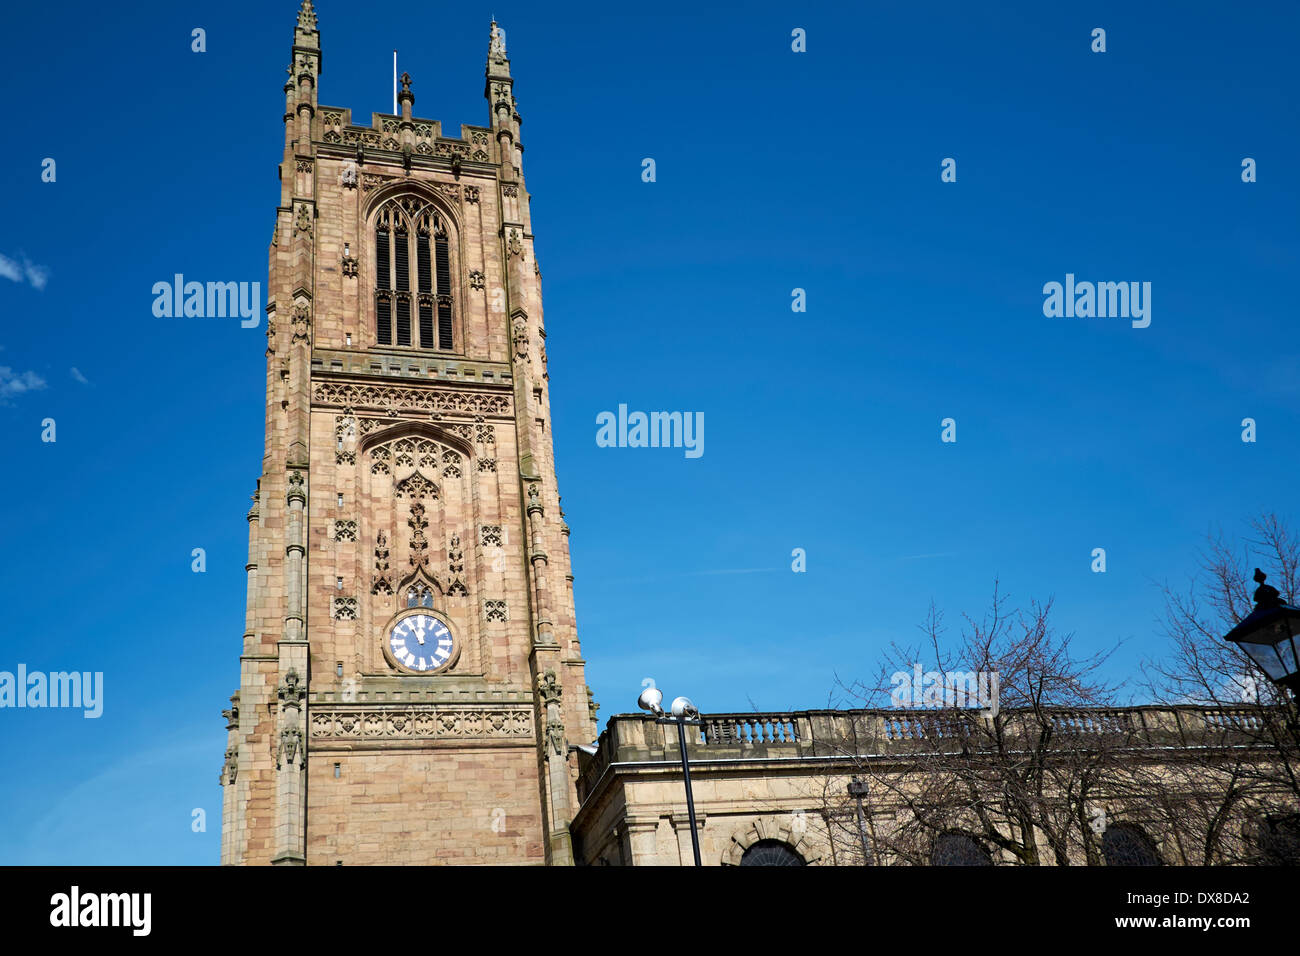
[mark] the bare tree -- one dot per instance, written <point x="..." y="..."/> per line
<point x="1019" y="773"/>
<point x="1263" y="767"/>
<point x="1054" y="771"/>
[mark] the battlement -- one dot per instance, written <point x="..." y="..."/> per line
<point x="384" y="135"/>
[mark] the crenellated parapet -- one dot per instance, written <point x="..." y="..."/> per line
<point x="381" y="141"/>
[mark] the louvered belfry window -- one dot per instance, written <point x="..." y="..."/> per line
<point x="444" y="290"/>
<point x="426" y="281"/>
<point x="413" y="310"/>
<point x="384" y="294"/>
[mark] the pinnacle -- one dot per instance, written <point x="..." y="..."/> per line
<point x="497" y="42"/>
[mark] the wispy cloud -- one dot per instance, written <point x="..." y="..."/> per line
<point x="119" y="806"/>
<point x="16" y="383"/>
<point x="76" y="374"/>
<point x="36" y="275"/>
<point x="26" y="271"/>
<point x="691" y="574"/>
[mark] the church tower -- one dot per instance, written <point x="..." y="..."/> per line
<point x="411" y="677"/>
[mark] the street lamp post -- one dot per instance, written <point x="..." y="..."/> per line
<point x="1270" y="636"/>
<point x="683" y="712"/>
<point x="858" y="790"/>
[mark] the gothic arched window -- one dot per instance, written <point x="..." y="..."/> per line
<point x="958" y="849"/>
<point x="771" y="853"/>
<point x="419" y="596"/>
<point x="1128" y="846"/>
<point x="1276" y="840"/>
<point x="413" y="311"/>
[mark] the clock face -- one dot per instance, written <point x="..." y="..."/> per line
<point x="420" y="642"/>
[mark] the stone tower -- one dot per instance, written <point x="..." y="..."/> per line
<point x="411" y="675"/>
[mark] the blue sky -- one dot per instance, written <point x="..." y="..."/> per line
<point x="775" y="170"/>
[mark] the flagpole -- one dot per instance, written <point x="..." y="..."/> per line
<point x="394" y="82"/>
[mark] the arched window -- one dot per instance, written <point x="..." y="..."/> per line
<point x="413" y="311"/>
<point x="419" y="596"/>
<point x="958" y="849"/>
<point x="771" y="853"/>
<point x="1276" y="840"/>
<point x="1128" y="846"/>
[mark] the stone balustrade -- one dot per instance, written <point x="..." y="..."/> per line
<point x="639" y="739"/>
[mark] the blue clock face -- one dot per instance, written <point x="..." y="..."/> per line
<point x="420" y="642"/>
